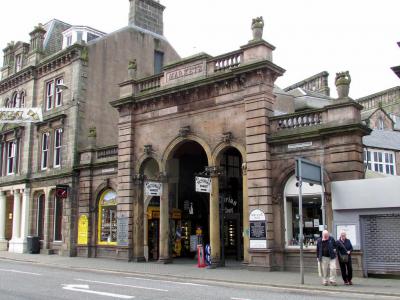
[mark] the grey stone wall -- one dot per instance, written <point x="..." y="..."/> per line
<point x="147" y="14"/>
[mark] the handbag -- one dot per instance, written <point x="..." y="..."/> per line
<point x="343" y="258"/>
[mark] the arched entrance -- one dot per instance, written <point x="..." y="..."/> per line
<point x="231" y="203"/>
<point x="150" y="172"/>
<point x="312" y="213"/>
<point x="189" y="210"/>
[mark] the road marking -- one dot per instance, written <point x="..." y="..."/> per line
<point x="125" y="285"/>
<point x="233" y="298"/>
<point x="21" y="272"/>
<point x="84" y="288"/>
<point x="168" y="281"/>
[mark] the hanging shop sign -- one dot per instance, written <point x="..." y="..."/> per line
<point x="62" y="191"/>
<point x="152" y="188"/>
<point x="258" y="230"/>
<point x="203" y="184"/>
<point x="20" y="115"/>
<point x="122" y="231"/>
<point x="83" y="230"/>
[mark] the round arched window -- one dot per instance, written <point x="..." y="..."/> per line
<point x="107" y="231"/>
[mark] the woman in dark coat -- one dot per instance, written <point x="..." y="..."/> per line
<point x="344" y="247"/>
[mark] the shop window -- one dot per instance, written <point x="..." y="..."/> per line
<point x="312" y="213"/>
<point x="58" y="213"/>
<point x="57" y="147"/>
<point x="40" y="216"/>
<point x="45" y="151"/>
<point x="380" y="161"/>
<point x="108" y="218"/>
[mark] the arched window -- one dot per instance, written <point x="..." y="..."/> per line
<point x="22" y="99"/>
<point x="312" y="213"/>
<point x="107" y="230"/>
<point x="7" y="102"/>
<point x="14" y="100"/>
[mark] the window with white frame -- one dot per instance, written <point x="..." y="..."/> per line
<point x="11" y="148"/>
<point x="49" y="94"/>
<point x="69" y="40"/>
<point x="45" y="151"/>
<point x="380" y="161"/>
<point x="59" y="81"/>
<point x="57" y="147"/>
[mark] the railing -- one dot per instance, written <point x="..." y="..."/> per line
<point x="150" y="83"/>
<point x="298" y="120"/>
<point x="228" y="61"/>
<point x="107" y="152"/>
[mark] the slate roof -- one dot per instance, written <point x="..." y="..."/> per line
<point x="385" y="139"/>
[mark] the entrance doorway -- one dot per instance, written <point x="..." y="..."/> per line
<point x="193" y="208"/>
<point x="231" y="204"/>
<point x="153" y="223"/>
<point x="9" y="216"/>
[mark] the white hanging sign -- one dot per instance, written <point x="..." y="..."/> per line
<point x="203" y="184"/>
<point x="152" y="188"/>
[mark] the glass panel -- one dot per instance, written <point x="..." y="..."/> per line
<point x="108" y="224"/>
<point x="58" y="219"/>
<point x="375" y="156"/>
<point x="380" y="156"/>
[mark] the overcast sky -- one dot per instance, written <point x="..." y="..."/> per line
<point x="310" y="35"/>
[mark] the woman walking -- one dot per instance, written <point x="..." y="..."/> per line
<point x="345" y="248"/>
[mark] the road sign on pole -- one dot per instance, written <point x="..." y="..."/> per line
<point x="310" y="172"/>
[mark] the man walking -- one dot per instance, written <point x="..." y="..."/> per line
<point x="326" y="255"/>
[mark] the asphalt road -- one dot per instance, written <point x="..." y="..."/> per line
<point x="31" y="281"/>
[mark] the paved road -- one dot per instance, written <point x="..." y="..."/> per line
<point x="31" y="281"/>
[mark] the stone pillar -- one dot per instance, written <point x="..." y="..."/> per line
<point x="16" y="230"/>
<point x="3" y="218"/>
<point x="138" y="233"/>
<point x="164" y="256"/>
<point x="47" y="228"/>
<point x="246" y="229"/>
<point x="215" y="234"/>
<point x="25" y="214"/>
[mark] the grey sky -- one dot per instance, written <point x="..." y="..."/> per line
<point x="310" y="35"/>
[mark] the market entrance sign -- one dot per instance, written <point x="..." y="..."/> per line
<point x="20" y="115"/>
<point x="152" y="188"/>
<point x="203" y="184"/>
<point x="258" y="232"/>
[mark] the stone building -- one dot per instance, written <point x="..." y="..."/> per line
<point x="223" y="120"/>
<point x="71" y="73"/>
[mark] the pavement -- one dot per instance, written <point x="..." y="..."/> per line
<point x="235" y="275"/>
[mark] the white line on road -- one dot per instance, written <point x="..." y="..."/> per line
<point x="125" y="285"/>
<point x="168" y="281"/>
<point x="84" y="288"/>
<point x="21" y="272"/>
<point x="233" y="298"/>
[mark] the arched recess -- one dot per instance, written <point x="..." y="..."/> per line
<point x="149" y="170"/>
<point x="107" y="218"/>
<point x="232" y="189"/>
<point x="174" y="144"/>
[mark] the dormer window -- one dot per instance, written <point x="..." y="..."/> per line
<point x="69" y="40"/>
<point x="18" y="62"/>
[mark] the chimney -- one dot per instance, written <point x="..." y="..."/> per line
<point x="37" y="38"/>
<point x="147" y="14"/>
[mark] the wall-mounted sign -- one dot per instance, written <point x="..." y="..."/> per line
<point x="152" y="188"/>
<point x="299" y="145"/>
<point x="83" y="230"/>
<point x="258" y="229"/>
<point x="186" y="72"/>
<point x="351" y="233"/>
<point x="20" y="115"/>
<point x="122" y="231"/>
<point x="62" y="191"/>
<point x="203" y="184"/>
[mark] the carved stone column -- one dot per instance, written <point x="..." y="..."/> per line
<point x="138" y="233"/>
<point x="246" y="229"/>
<point x="3" y="218"/>
<point x="16" y="230"/>
<point x="25" y="215"/>
<point x="46" y="229"/>
<point x="164" y="255"/>
<point x="215" y="232"/>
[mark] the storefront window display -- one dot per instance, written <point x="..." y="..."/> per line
<point x="312" y="213"/>
<point x="108" y="218"/>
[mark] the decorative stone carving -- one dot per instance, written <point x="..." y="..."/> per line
<point x="92" y="132"/>
<point x="227" y="137"/>
<point x="342" y="82"/>
<point x="213" y="171"/>
<point x="184" y="131"/>
<point x="257" y="26"/>
<point x="138" y="178"/>
<point x="148" y="149"/>
<point x="132" y="69"/>
<point x="244" y="168"/>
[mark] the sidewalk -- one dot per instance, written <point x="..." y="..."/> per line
<point x="180" y="270"/>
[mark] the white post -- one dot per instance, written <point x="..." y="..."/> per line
<point x="3" y="218"/>
<point x="16" y="230"/>
<point x="25" y="214"/>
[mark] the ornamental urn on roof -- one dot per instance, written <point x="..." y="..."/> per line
<point x="257" y="26"/>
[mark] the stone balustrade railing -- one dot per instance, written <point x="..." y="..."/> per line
<point x="227" y="61"/>
<point x="107" y="152"/>
<point x="149" y="83"/>
<point x="296" y="120"/>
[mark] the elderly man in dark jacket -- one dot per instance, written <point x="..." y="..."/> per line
<point x="326" y="254"/>
<point x="345" y="247"/>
